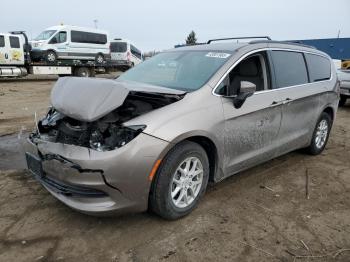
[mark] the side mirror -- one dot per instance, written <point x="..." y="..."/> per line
<point x="247" y="89"/>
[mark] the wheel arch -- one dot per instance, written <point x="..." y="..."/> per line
<point x="330" y="111"/>
<point x="100" y="53"/>
<point x="209" y="145"/>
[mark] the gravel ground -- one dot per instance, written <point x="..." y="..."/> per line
<point x="258" y="215"/>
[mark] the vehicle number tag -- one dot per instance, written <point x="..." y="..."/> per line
<point x="217" y="55"/>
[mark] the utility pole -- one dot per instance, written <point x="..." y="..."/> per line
<point x="95" y="22"/>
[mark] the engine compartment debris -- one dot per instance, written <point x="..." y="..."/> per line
<point x="106" y="133"/>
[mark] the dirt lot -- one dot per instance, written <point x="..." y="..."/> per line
<point x="238" y="219"/>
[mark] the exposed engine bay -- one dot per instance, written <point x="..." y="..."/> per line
<point x="106" y="133"/>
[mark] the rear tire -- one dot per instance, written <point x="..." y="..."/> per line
<point x="82" y="72"/>
<point x="180" y="182"/>
<point x="342" y="100"/>
<point x="320" y="135"/>
<point x="99" y="59"/>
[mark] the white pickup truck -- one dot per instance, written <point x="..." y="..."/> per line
<point x="344" y="78"/>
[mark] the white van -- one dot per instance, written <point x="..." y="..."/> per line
<point x="124" y="54"/>
<point x="11" y="49"/>
<point x="71" y="42"/>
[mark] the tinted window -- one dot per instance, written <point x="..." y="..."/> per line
<point x="319" y="67"/>
<point x="290" y="68"/>
<point x="2" y="41"/>
<point x="14" y="42"/>
<point x="87" y="37"/>
<point x="118" y="47"/>
<point x="182" y="70"/>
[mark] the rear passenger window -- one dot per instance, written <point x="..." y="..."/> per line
<point x="290" y="68"/>
<point x="87" y="37"/>
<point x="319" y="67"/>
<point x="14" y="42"/>
<point x="2" y="41"/>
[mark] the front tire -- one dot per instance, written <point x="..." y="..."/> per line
<point x="321" y="134"/>
<point x="180" y="182"/>
<point x="51" y="57"/>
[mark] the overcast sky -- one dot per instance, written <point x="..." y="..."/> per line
<point x="160" y="24"/>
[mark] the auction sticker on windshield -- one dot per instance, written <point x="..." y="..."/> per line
<point x="217" y="55"/>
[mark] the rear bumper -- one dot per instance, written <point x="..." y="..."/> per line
<point x="99" y="183"/>
<point x="120" y="63"/>
<point x="345" y="88"/>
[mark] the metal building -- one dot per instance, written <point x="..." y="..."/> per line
<point x="337" y="48"/>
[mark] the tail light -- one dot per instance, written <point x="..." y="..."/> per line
<point x="128" y="56"/>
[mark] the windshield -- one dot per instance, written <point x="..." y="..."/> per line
<point x="118" y="47"/>
<point x="45" y="35"/>
<point x="182" y="70"/>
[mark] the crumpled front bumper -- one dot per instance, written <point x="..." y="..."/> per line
<point x="99" y="183"/>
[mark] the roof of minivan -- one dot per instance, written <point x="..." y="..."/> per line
<point x="216" y="47"/>
<point x="232" y="46"/>
<point x="79" y="28"/>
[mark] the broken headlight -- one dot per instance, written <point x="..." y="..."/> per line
<point x="114" y="136"/>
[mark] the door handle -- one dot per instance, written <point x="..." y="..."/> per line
<point x="286" y="101"/>
<point x="276" y="103"/>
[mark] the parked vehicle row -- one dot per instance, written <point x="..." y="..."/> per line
<point x="154" y="137"/>
<point x="65" y="50"/>
<point x="72" y="42"/>
<point x="344" y="79"/>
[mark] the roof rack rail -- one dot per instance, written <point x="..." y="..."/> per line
<point x="237" y="38"/>
<point x="281" y="42"/>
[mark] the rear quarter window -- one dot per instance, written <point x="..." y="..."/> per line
<point x="289" y="67"/>
<point x="319" y="67"/>
<point x="2" y="41"/>
<point x="14" y="42"/>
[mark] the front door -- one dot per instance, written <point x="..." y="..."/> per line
<point x="251" y="131"/>
<point x="60" y="41"/>
<point x="4" y="50"/>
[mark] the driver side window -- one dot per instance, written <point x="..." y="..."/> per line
<point x="252" y="69"/>
<point x="60" y="37"/>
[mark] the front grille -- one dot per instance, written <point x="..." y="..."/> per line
<point x="70" y="190"/>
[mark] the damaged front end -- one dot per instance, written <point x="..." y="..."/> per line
<point x="104" y="134"/>
<point x="101" y="126"/>
<point x="81" y="150"/>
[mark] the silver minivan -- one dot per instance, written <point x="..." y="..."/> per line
<point x="154" y="137"/>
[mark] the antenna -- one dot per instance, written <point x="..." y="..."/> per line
<point x="95" y="22"/>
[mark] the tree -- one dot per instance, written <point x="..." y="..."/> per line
<point x="191" y="38"/>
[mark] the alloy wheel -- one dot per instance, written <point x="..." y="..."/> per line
<point x="187" y="182"/>
<point x="321" y="133"/>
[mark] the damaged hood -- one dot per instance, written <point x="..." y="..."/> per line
<point x="89" y="99"/>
